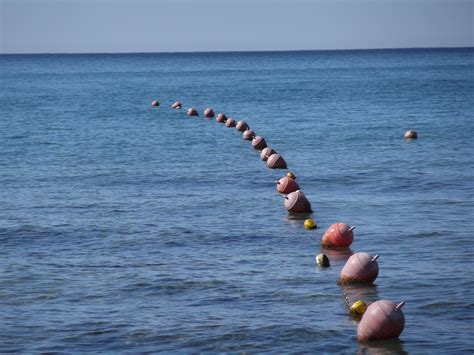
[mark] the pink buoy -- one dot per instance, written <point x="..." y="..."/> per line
<point x="411" y="134"/>
<point x="382" y="320"/>
<point x="242" y="126"/>
<point x="286" y="185"/>
<point x="266" y="152"/>
<point x="155" y="103"/>
<point x="192" y="112"/>
<point x="176" y="105"/>
<point x="221" y="118"/>
<point x="259" y="143"/>
<point x="360" y="268"/>
<point x="208" y="113"/>
<point x="297" y="202"/>
<point x="248" y="135"/>
<point x="338" y="235"/>
<point x="276" y="161"/>
<point x="230" y="122"/>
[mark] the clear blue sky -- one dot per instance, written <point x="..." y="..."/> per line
<point x="65" y="26"/>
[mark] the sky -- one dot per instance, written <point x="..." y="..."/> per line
<point x="103" y="26"/>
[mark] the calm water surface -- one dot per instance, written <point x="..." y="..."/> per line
<point x="127" y="228"/>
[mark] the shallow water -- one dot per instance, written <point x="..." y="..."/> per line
<point x="127" y="228"/>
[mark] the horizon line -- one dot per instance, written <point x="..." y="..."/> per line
<point x="241" y="51"/>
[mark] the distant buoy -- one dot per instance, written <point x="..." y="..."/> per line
<point x="248" y="135"/>
<point x="360" y="268"/>
<point x="266" y="152"/>
<point x="286" y="185"/>
<point x="309" y="224"/>
<point x="259" y="143"/>
<point x="382" y="320"/>
<point x="177" y="105"/>
<point x="221" y="118"/>
<point x="338" y="235"/>
<point x="276" y="161"/>
<point x="411" y="134"/>
<point x="192" y="112"/>
<point x="242" y="126"/>
<point x="208" y="113"/>
<point x="155" y="103"/>
<point x="322" y="260"/>
<point x="297" y="202"/>
<point x="230" y="122"/>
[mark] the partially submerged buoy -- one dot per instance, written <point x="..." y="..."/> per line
<point x="242" y="126"/>
<point x="276" y="161"/>
<point x="357" y="309"/>
<point x="322" y="260"/>
<point x="297" y="202"/>
<point x="248" y="135"/>
<point x="411" y="134"/>
<point x="286" y="185"/>
<point x="338" y="235"/>
<point x="221" y="118"/>
<point x="259" y="143"/>
<point x="155" y="103"/>
<point x="230" y="122"/>
<point x="382" y="320"/>
<point x="266" y="152"/>
<point x="192" y="112"/>
<point x="360" y="268"/>
<point x="309" y="224"/>
<point x="291" y="175"/>
<point x="208" y="113"/>
<point x="177" y="105"/>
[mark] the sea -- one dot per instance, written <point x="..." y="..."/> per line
<point x="128" y="228"/>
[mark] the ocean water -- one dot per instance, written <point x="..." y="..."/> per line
<point x="125" y="228"/>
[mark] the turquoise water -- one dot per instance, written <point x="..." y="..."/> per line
<point x="127" y="228"/>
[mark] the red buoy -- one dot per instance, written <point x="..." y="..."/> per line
<point x="176" y="105"/>
<point x="297" y="202"/>
<point x="242" y="126"/>
<point x="411" y="134"/>
<point x="192" y="112"/>
<point x="338" y="235"/>
<point x="259" y="143"/>
<point x="221" y="118"/>
<point x="382" y="320"/>
<point x="360" y="268"/>
<point x="266" y="152"/>
<point x="286" y="185"/>
<point x="276" y="161"/>
<point x="230" y="122"/>
<point x="155" y="103"/>
<point x="208" y="113"/>
<point x="248" y="135"/>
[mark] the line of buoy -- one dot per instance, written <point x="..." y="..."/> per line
<point x="380" y="320"/>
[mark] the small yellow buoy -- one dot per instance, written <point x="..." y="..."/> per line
<point x="309" y="224"/>
<point x="322" y="260"/>
<point x="357" y="309"/>
<point x="291" y="175"/>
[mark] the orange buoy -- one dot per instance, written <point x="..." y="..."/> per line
<point x="259" y="143"/>
<point x="338" y="235"/>
<point x="221" y="118"/>
<point x="276" y="161"/>
<point x="230" y="122"/>
<point x="192" y="112"/>
<point x="286" y="185"/>
<point x="297" y="202"/>
<point x="208" y="113"/>
<point x="155" y="103"/>
<point x="176" y="105"/>
<point x="248" y="135"/>
<point x="411" y="134"/>
<point x="382" y="320"/>
<point x="360" y="268"/>
<point x="266" y="152"/>
<point x="242" y="126"/>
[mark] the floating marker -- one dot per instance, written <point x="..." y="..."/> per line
<point x="276" y="161"/>
<point x="266" y="152"/>
<point x="382" y="320"/>
<point x="322" y="260"/>
<point x="286" y="185"/>
<point x="230" y="122"/>
<point x="360" y="268"/>
<point x="259" y="143"/>
<point x="221" y="118"/>
<point x="192" y="112"/>
<point x="411" y="134"/>
<point x="248" y="135"/>
<point x="297" y="202"/>
<point x="177" y="105"/>
<point x="242" y="126"/>
<point x="155" y="103"/>
<point x="208" y="113"/>
<point x="338" y="235"/>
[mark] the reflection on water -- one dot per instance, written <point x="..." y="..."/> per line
<point x="390" y="346"/>
<point x="337" y="256"/>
